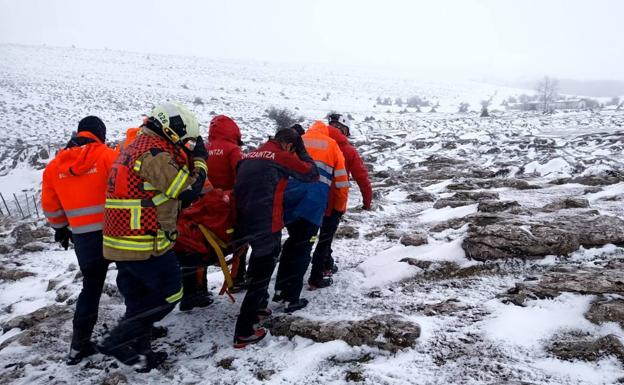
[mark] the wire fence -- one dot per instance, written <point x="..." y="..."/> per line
<point x="20" y="205"/>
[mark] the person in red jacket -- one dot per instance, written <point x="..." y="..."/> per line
<point x="73" y="193"/>
<point x="224" y="152"/>
<point x="339" y="131"/>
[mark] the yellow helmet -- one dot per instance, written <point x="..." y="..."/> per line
<point x="178" y="124"/>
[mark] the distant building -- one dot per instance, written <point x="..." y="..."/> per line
<point x="570" y="104"/>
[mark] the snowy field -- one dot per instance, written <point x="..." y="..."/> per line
<point x="442" y="181"/>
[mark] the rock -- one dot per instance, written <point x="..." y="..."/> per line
<point x="448" y="306"/>
<point x="5" y="249"/>
<point x="606" y="310"/>
<point x="421" y="196"/>
<point x="453" y="223"/>
<point x="226" y="363"/>
<point x="115" y="378"/>
<point x="354" y="376"/>
<point x="414" y="239"/>
<point x="567" y="203"/>
<point x="13" y="274"/>
<point x="498" y="206"/>
<point x="535" y="237"/>
<point x="473" y="184"/>
<point x="26" y="233"/>
<point x="586" y="280"/>
<point x="348" y="232"/>
<point x="591" y="180"/>
<point x="587" y="348"/>
<point x="54" y="313"/>
<point x="34" y="246"/>
<point x="463" y="198"/>
<point x="387" y="331"/>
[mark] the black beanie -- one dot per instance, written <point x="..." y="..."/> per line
<point x="287" y="135"/>
<point x="94" y="125"/>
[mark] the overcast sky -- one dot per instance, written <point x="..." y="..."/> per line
<point x="495" y="38"/>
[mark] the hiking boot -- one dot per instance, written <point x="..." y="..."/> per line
<point x="151" y="360"/>
<point x="76" y="354"/>
<point x="328" y="272"/>
<point x="124" y="354"/>
<point x="320" y="283"/>
<point x="296" y="305"/>
<point x="159" y="332"/>
<point x="278" y="297"/>
<point x="241" y="341"/>
<point x="196" y="300"/>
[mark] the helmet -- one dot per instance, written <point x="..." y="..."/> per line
<point x="177" y="123"/>
<point x="339" y="121"/>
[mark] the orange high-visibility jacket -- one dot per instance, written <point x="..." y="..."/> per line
<point x="330" y="162"/>
<point x="74" y="184"/>
<point x="131" y="134"/>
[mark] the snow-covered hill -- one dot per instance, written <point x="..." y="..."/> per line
<point x="497" y="236"/>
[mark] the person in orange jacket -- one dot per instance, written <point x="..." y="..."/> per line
<point x="72" y="196"/>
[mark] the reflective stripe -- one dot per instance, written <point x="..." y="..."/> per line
<point x="135" y="218"/>
<point x="87" y="228"/>
<point x="313" y="239"/>
<point x="53" y="214"/>
<point x="342" y="184"/>
<point x="122" y="203"/>
<point x="137" y="242"/>
<point x="340" y="172"/>
<point x="85" y="211"/>
<point x="149" y="187"/>
<point x="178" y="182"/>
<point x="315" y="143"/>
<point x="137" y="166"/>
<point x="58" y="225"/>
<point x="201" y="164"/>
<point x="175" y="297"/>
<point x="159" y="199"/>
<point x="325" y="180"/>
<point x="323" y="166"/>
<point x="229" y="231"/>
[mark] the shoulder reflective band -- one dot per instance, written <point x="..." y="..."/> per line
<point x="137" y="166"/>
<point x="53" y="214"/>
<point x="342" y="184"/>
<point x="340" y="172"/>
<point x="178" y="182"/>
<point x="176" y="297"/>
<point x="315" y="143"/>
<point x="201" y="164"/>
<point x="85" y="211"/>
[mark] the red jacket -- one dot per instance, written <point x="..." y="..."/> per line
<point x="354" y="165"/>
<point x="74" y="184"/>
<point x="223" y="152"/>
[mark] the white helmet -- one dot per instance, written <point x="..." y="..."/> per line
<point x="342" y="121"/>
<point x="178" y="124"/>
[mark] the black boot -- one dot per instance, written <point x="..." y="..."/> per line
<point x="195" y="295"/>
<point x="149" y="358"/>
<point x="296" y="305"/>
<point x="79" y="350"/>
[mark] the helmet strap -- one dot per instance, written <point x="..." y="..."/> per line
<point x="171" y="134"/>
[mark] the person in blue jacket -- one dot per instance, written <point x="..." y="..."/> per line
<point x="262" y="176"/>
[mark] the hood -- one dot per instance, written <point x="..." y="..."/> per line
<point x="223" y="127"/>
<point x="337" y="135"/>
<point x="80" y="155"/>
<point x="319" y="126"/>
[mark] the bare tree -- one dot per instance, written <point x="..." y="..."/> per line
<point x="547" y="92"/>
<point x="283" y="117"/>
<point x="463" y="107"/>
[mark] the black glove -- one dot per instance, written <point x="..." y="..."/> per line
<point x="300" y="149"/>
<point x="199" y="152"/>
<point x="63" y="235"/>
<point x="189" y="195"/>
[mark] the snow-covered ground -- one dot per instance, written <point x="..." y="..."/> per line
<point x="479" y="339"/>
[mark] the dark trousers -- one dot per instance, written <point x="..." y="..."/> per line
<point x="193" y="268"/>
<point x="150" y="288"/>
<point x="322" y="258"/>
<point x="88" y="248"/>
<point x="295" y="259"/>
<point x="264" y="252"/>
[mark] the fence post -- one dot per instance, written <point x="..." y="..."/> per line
<point x="36" y="208"/>
<point x="27" y="204"/>
<point x="19" y="206"/>
<point x="5" y="205"/>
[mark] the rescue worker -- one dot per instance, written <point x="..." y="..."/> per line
<point x="223" y="146"/>
<point x="259" y="189"/>
<point x="72" y="196"/>
<point x="149" y="182"/>
<point x="339" y="131"/>
<point x="304" y="219"/>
